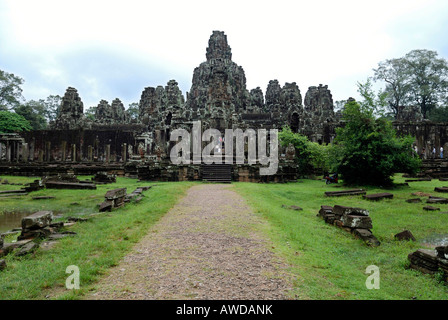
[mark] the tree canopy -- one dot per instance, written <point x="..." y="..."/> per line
<point x="13" y="122"/>
<point x="10" y="90"/>
<point x="419" y="78"/>
<point x="369" y="150"/>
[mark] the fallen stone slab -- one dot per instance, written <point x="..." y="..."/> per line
<point x="292" y="207"/>
<point x="404" y="235"/>
<point x="421" y="194"/>
<point x="343" y="210"/>
<point x="43" y="197"/>
<point x="37" y="220"/>
<point x="115" y="194"/>
<point x="27" y="248"/>
<point x="441" y="189"/>
<point x="340" y="193"/>
<point x="69" y="185"/>
<point x="11" y="191"/>
<point x="424" y="260"/>
<point x="414" y="200"/>
<point x="106" y="206"/>
<point x="9" y="247"/>
<point x="356" y="222"/>
<point x="430" y="208"/>
<point x="432" y="199"/>
<point x="418" y="179"/>
<point x="367" y="237"/>
<point x="76" y="219"/>
<point x="57" y="236"/>
<point x="378" y="196"/>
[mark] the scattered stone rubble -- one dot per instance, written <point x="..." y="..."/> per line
<point x="117" y="198"/>
<point x="378" y="196"/>
<point x="354" y="220"/>
<point x="35" y="227"/>
<point x="430" y="261"/>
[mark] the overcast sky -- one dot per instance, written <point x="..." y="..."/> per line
<point x="114" y="49"/>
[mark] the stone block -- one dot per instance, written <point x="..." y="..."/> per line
<point x="37" y="220"/>
<point x="404" y="235"/>
<point x="355" y="221"/>
<point x="343" y="210"/>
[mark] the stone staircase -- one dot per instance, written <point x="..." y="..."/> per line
<point x="217" y="173"/>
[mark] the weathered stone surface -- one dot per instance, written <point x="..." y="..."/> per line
<point x="414" y="200"/>
<point x="71" y="112"/>
<point x="437" y="200"/>
<point x="367" y="236"/>
<point x="106" y="206"/>
<point x="69" y="185"/>
<point x="2" y="265"/>
<point x="424" y="260"/>
<point x="115" y="194"/>
<point x="358" y="222"/>
<point x="378" y="196"/>
<point x="349" y="192"/>
<point x="343" y="210"/>
<point x="430" y="208"/>
<point x="104" y="177"/>
<point x="111" y="114"/>
<point x="441" y="189"/>
<point x="37" y="220"/>
<point x="27" y="248"/>
<point x="404" y="235"/>
<point x="442" y="252"/>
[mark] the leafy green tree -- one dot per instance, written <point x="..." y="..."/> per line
<point x="13" y="122"/>
<point x="133" y="111"/>
<point x="372" y="100"/>
<point x="35" y="112"/>
<point x="419" y="78"/>
<point x="369" y="150"/>
<point x="428" y="78"/>
<point x="10" y="90"/>
<point x="51" y="103"/>
<point x="90" y="113"/>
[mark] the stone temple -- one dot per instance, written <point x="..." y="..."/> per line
<point x="218" y="98"/>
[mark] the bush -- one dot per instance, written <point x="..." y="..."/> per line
<point x="13" y="122"/>
<point x="370" y="152"/>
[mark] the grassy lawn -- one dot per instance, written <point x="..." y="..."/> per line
<point x="329" y="263"/>
<point x="99" y="244"/>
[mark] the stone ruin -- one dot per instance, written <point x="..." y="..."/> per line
<point x="354" y="220"/>
<point x="218" y="97"/>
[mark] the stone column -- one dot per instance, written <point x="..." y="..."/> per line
<point x="74" y="152"/>
<point x="64" y="150"/>
<point x="124" y="152"/>
<point x="48" y="151"/>
<point x="25" y="152"/>
<point x="8" y="151"/>
<point x="107" y="153"/>
<point x="90" y="153"/>
<point x="1" y="151"/>
<point x="41" y="156"/>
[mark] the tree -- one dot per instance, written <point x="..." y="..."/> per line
<point x="133" y="111"/>
<point x="90" y="113"/>
<point x="10" y="90"/>
<point x="35" y="112"/>
<point x="394" y="73"/>
<point x="369" y="150"/>
<point x="13" y="122"/>
<point x="374" y="101"/>
<point x="428" y="76"/>
<point x="51" y="104"/>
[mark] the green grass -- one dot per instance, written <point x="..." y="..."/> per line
<point x="328" y="262"/>
<point x="100" y="242"/>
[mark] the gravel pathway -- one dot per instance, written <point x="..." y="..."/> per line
<point x="206" y="247"/>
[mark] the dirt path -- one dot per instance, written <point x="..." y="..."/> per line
<point x="206" y="247"/>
